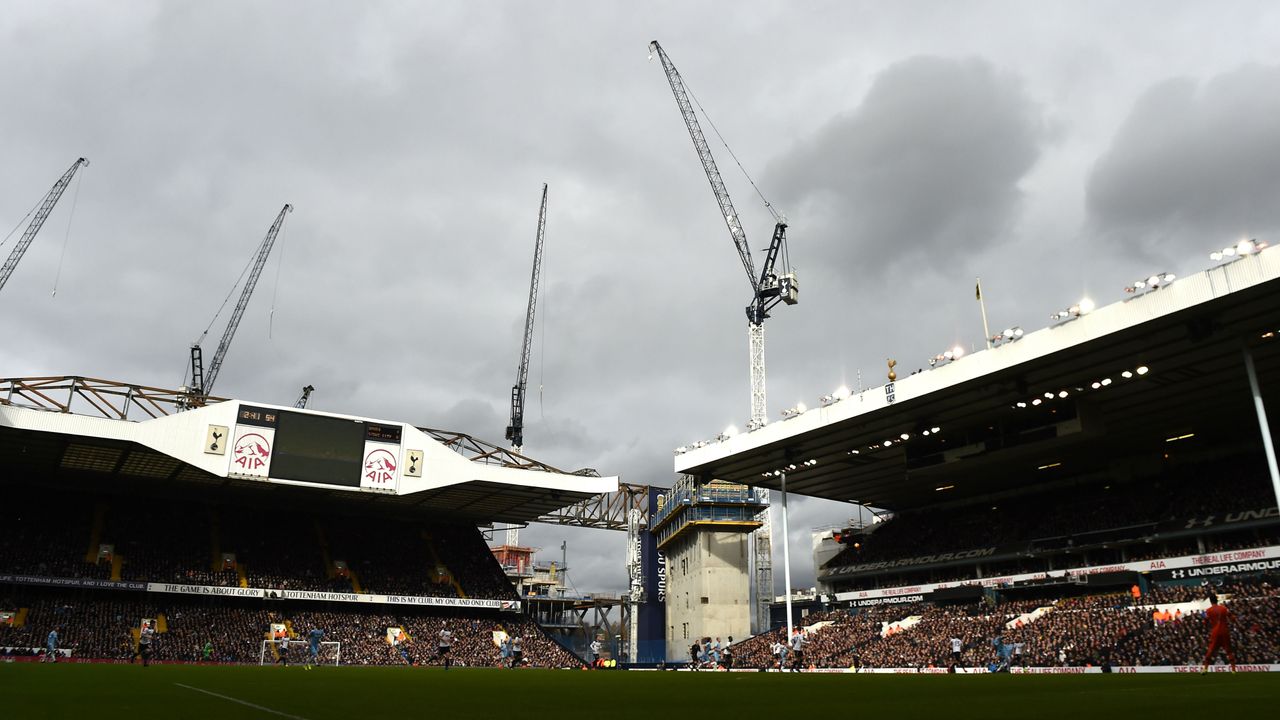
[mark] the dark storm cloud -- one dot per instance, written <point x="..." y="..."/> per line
<point x="924" y="170"/>
<point x="1193" y="167"/>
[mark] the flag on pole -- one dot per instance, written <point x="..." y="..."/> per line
<point x="977" y="294"/>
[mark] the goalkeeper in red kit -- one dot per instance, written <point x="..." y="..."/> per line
<point x="1219" y="619"/>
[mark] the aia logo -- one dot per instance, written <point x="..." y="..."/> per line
<point x="380" y="467"/>
<point x="252" y="452"/>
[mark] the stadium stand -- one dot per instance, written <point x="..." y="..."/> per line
<point x="1069" y="630"/>
<point x="158" y="541"/>
<point x="1078" y="523"/>
<point x="80" y="560"/>
<point x="102" y="625"/>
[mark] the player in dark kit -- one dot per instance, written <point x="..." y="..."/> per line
<point x="1219" y="619"/>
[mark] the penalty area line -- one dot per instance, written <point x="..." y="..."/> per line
<point x="241" y="702"/>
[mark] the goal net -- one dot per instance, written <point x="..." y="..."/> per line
<point x="299" y="652"/>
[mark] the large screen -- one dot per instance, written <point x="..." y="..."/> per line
<point x="319" y="449"/>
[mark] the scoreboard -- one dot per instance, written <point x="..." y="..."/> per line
<point x="313" y="448"/>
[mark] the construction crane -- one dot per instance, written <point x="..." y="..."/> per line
<point x="769" y="286"/>
<point x="515" y="430"/>
<point x="42" y="214"/>
<point x="201" y="382"/>
<point x="767" y="290"/>
<point x="301" y="402"/>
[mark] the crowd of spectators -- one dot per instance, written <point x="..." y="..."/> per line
<point x="156" y="540"/>
<point x="1070" y="514"/>
<point x="39" y="538"/>
<point x="465" y="553"/>
<point x="1092" y="525"/>
<point x="103" y="625"/>
<point x="409" y="570"/>
<point x="1256" y="631"/>
<point x="1114" y="628"/>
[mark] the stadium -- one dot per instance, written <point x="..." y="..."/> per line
<point x="1076" y="520"/>
<point x="1076" y="492"/>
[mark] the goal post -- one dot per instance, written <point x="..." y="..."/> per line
<point x="300" y="652"/>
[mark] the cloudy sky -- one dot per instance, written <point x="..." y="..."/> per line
<point x="1059" y="150"/>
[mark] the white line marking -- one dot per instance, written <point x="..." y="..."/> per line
<point x="242" y="702"/>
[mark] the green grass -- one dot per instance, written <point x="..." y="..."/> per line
<point x="29" y="690"/>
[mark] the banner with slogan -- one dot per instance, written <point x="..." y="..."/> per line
<point x="89" y="583"/>
<point x="220" y="591"/>
<point x="1200" y="572"/>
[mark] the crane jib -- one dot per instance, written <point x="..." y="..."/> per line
<point x="259" y="262"/>
<point x="515" y="429"/>
<point x="46" y="206"/>
<point x="727" y="210"/>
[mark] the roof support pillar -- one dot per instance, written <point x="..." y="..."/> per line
<point x="786" y="559"/>
<point x="1262" y="422"/>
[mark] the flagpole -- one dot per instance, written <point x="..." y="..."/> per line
<point x="986" y="330"/>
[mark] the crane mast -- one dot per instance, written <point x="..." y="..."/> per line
<point x="219" y="355"/>
<point x="42" y="214"/>
<point x="515" y="430"/>
<point x="768" y="288"/>
<point x="301" y="402"/>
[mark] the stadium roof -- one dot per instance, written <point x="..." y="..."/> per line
<point x="396" y="466"/>
<point x="1169" y="373"/>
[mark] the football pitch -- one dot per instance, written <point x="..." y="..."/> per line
<point x="29" y="690"/>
